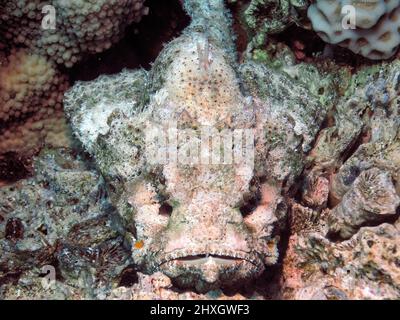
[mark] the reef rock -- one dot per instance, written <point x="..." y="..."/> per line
<point x="372" y="199"/>
<point x="59" y="221"/>
<point x="363" y="267"/>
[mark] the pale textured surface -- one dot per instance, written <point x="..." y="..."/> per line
<point x="376" y="35"/>
<point x="350" y="249"/>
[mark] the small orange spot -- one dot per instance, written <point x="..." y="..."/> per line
<point x="138" y="244"/>
<point x="271" y="245"/>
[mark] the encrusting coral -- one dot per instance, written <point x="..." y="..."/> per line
<point x="49" y="222"/>
<point x="81" y="27"/>
<point x="31" y="86"/>
<point x="31" y="95"/>
<point x="262" y="18"/>
<point x="269" y="16"/>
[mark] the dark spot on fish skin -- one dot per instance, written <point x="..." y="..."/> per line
<point x="165" y="209"/>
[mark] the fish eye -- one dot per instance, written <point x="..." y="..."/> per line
<point x="165" y="209"/>
<point x="250" y="204"/>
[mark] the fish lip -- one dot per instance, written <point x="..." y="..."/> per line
<point x="228" y="255"/>
<point x="202" y="256"/>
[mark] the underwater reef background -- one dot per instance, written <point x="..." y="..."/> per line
<point x="309" y="210"/>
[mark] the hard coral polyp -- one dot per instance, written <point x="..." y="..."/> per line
<point x="65" y="31"/>
<point x="31" y="94"/>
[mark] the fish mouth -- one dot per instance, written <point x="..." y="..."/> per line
<point x="202" y="258"/>
<point x="220" y="257"/>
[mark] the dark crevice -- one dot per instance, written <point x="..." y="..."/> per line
<point x="241" y="37"/>
<point x="335" y="237"/>
<point x="10" y="277"/>
<point x="312" y="43"/>
<point x="141" y="45"/>
<point x="128" y="277"/>
<point x="272" y="275"/>
<point x="14" y="167"/>
<point x="314" y="47"/>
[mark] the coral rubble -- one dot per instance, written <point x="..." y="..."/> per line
<point x="58" y="219"/>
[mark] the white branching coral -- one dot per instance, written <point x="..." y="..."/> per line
<point x="367" y="27"/>
<point x="81" y="26"/>
<point x="31" y="94"/>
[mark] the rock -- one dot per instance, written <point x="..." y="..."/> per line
<point x="364" y="267"/>
<point x="371" y="200"/>
<point x="60" y="219"/>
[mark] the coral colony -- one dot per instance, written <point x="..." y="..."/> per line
<point x="257" y="156"/>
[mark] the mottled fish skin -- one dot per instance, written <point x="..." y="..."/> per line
<point x="184" y="219"/>
<point x="205" y="242"/>
<point x="204" y="224"/>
